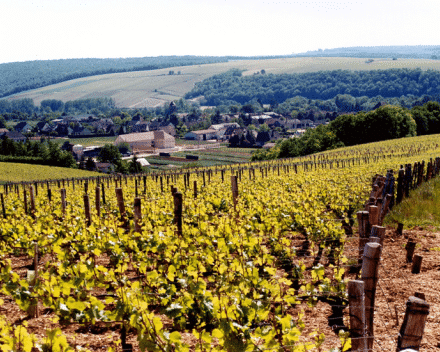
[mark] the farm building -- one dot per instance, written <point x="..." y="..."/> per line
<point x="146" y="140"/>
<point x="201" y="135"/>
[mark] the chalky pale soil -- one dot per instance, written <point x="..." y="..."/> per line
<point x="396" y="284"/>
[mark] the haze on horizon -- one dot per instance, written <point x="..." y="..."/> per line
<point x="61" y="29"/>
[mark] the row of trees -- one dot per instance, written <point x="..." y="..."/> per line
<point x="23" y="109"/>
<point x="386" y="122"/>
<point x="45" y="152"/>
<point x="232" y="87"/>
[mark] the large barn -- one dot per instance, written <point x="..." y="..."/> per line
<point x="147" y="140"/>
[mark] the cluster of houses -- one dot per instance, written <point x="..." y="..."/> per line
<point x="148" y="136"/>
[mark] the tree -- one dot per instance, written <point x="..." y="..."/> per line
<point x="134" y="167"/>
<point x="110" y="154"/>
<point x="234" y="141"/>
<point x="263" y="128"/>
<point x="90" y="164"/>
<point x="250" y="138"/>
<point x="124" y="148"/>
<point x="2" y="122"/>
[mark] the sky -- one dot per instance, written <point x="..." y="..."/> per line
<point x="63" y="29"/>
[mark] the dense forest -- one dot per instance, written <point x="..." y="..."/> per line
<point x="407" y="51"/>
<point x="231" y="87"/>
<point x="16" y="77"/>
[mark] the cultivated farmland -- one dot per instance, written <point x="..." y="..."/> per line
<point x="17" y="172"/>
<point x="154" y="88"/>
<point x="250" y="257"/>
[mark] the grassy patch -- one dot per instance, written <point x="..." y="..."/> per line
<point x="421" y="208"/>
<point x="88" y="142"/>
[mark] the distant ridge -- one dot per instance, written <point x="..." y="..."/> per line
<point x="391" y="51"/>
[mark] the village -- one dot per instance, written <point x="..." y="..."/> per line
<point x="142" y="137"/>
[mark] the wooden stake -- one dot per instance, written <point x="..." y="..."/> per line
<point x="413" y="326"/>
<point x="356" y="301"/>
<point x="370" y="266"/>
<point x="378" y="231"/>
<point x="195" y="189"/>
<point x="374" y="215"/>
<point x="399" y="229"/>
<point x="178" y="200"/>
<point x="87" y="209"/>
<point x="103" y="192"/>
<point x="410" y="248"/>
<point x="137" y="215"/>
<point x="3" y="204"/>
<point x="25" y="201"/>
<point x="98" y="201"/>
<point x="363" y="224"/>
<point x="121" y="206"/>
<point x="417" y="264"/>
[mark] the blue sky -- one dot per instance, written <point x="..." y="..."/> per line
<point x="60" y="29"/>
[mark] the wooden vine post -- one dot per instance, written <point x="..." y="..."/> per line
<point x="3" y="204"/>
<point x="178" y="205"/>
<point x="370" y="266"/>
<point x="410" y="248"/>
<point x="195" y="189"/>
<point x="98" y="201"/>
<point x="417" y="264"/>
<point x="413" y="326"/>
<point x="356" y="301"/>
<point x="87" y="209"/>
<point x="137" y="215"/>
<point x="103" y="192"/>
<point x="378" y="231"/>
<point x="25" y="201"/>
<point x="373" y="215"/>
<point x="362" y="217"/>
<point x="234" y="187"/>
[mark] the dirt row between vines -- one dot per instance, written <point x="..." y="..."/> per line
<point x="396" y="285"/>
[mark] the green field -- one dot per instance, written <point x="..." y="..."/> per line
<point x="15" y="172"/>
<point x="156" y="87"/>
<point x="207" y="158"/>
<point x="95" y="141"/>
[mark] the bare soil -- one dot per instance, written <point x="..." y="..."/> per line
<point x="396" y="285"/>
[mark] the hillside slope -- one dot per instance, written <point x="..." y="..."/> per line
<point x="156" y="87"/>
<point x="16" y="77"/>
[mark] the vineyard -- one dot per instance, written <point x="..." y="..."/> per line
<point x="235" y="258"/>
<point x="18" y="172"/>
